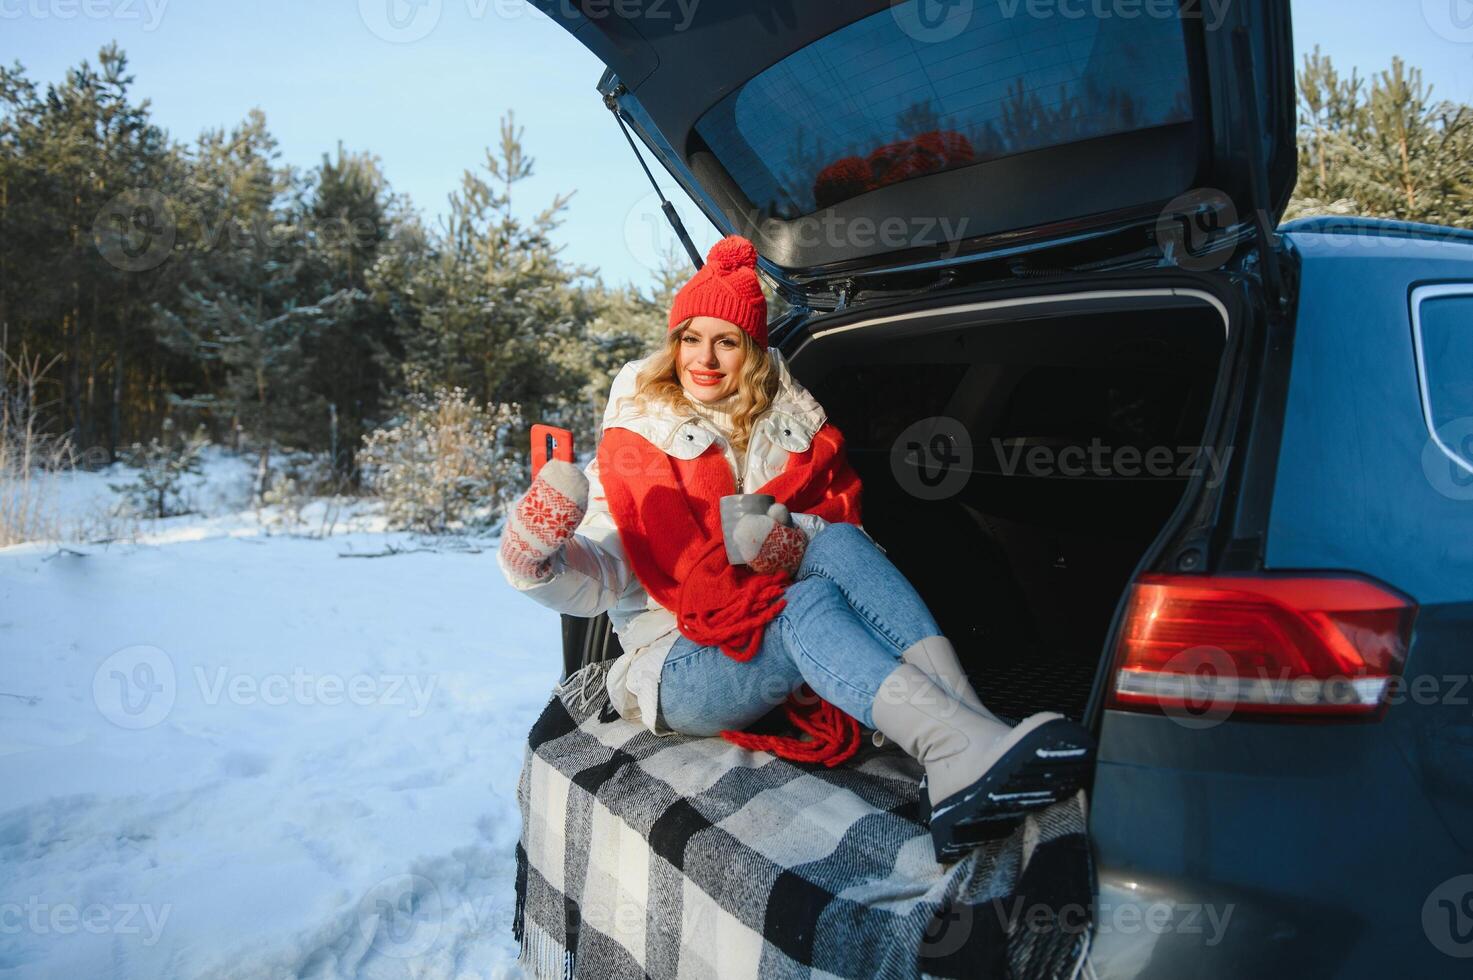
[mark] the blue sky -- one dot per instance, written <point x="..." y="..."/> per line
<point x="322" y="71"/>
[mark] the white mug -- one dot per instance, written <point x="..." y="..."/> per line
<point x="735" y="506"/>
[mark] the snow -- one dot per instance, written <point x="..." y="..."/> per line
<point x="227" y="751"/>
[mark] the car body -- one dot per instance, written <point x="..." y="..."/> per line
<point x="1240" y="827"/>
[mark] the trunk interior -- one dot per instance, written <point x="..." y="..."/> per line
<point x="1023" y="559"/>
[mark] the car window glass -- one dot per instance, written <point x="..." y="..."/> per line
<point x="895" y="96"/>
<point x="1447" y="366"/>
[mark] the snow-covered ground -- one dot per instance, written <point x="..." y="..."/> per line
<point x="226" y="751"/>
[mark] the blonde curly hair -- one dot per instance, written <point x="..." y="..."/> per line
<point x="757" y="384"/>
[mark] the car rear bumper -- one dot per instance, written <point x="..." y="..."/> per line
<point x="1254" y="849"/>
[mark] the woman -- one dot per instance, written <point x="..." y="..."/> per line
<point x="713" y="644"/>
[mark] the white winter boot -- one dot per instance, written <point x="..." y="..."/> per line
<point x="936" y="657"/>
<point x="981" y="772"/>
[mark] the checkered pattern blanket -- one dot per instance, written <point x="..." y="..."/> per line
<point x="684" y="857"/>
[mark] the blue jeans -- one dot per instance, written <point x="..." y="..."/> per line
<point x="850" y="614"/>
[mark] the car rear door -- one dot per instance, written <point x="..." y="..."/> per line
<point x="844" y="136"/>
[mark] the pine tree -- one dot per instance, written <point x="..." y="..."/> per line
<point x="351" y="343"/>
<point x="82" y="168"/>
<point x="1384" y="150"/>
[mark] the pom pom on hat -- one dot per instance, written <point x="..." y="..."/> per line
<point x="726" y="287"/>
<point x="731" y="253"/>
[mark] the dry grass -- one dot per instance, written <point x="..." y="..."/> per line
<point x="31" y="456"/>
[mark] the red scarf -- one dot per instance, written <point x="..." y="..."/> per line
<point x="668" y="514"/>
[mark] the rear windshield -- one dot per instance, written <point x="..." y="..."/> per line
<point x="911" y="91"/>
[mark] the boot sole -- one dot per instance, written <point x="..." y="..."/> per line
<point x="1048" y="764"/>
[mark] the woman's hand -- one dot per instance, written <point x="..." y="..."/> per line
<point x="767" y="544"/>
<point x="543" y="519"/>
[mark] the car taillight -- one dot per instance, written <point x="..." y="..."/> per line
<point x="1209" y="646"/>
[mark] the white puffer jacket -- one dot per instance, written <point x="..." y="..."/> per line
<point x="590" y="572"/>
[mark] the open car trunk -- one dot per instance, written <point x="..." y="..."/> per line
<point x="1068" y="427"/>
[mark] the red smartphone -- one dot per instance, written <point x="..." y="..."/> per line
<point x="550" y="442"/>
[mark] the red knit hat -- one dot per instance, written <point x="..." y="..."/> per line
<point x="726" y="287"/>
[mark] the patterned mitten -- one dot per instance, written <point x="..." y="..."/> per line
<point x="543" y="519"/>
<point x="766" y="544"/>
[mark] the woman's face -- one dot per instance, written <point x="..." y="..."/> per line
<point x="710" y="357"/>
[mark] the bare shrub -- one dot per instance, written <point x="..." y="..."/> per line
<point x="442" y="464"/>
<point x="31" y="456"/>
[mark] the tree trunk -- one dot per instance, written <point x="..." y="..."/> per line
<point x="1408" y="180"/>
<point x="115" y="416"/>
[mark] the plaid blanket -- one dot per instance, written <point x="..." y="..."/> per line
<point x="679" y="856"/>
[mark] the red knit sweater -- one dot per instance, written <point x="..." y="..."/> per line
<point x="668" y="514"/>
